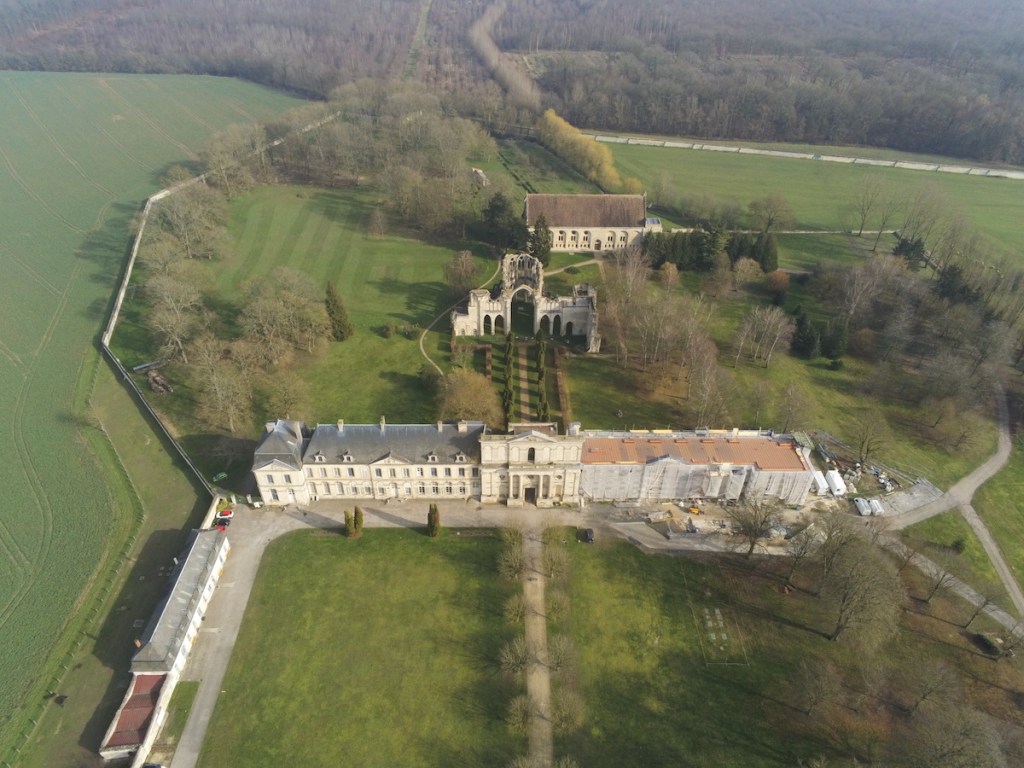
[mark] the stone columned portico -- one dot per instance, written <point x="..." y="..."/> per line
<point x="534" y="467"/>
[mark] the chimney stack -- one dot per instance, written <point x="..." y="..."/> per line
<point x="341" y="425"/>
<point x="440" y="426"/>
<point x="383" y="425"/>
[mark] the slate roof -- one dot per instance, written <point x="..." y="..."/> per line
<point x="167" y="628"/>
<point x="282" y="441"/>
<point x="766" y="453"/>
<point x="587" y="210"/>
<point x="405" y="443"/>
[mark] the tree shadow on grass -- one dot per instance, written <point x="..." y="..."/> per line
<point x="350" y="210"/>
<point x="409" y="401"/>
<point x="423" y="301"/>
<point x="484" y="699"/>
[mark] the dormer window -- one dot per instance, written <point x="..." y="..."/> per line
<point x="319" y="458"/>
<point x="460" y="458"/>
<point x="432" y="458"/>
<point x="346" y="457"/>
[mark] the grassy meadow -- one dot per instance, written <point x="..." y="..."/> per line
<point x="79" y="152"/>
<point x="998" y="503"/>
<point x="379" y="651"/>
<point x="687" y="662"/>
<point x="822" y="195"/>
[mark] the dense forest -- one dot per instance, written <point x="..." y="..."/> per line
<point x="935" y="76"/>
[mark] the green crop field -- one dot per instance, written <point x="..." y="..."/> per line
<point x="78" y="153"/>
<point x="379" y="651"/>
<point x="822" y="194"/>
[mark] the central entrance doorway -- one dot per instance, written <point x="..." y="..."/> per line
<point x="530" y="495"/>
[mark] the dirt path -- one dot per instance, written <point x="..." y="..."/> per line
<point x="447" y="312"/>
<point x="538" y="674"/>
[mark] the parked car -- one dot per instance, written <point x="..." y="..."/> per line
<point x="863" y="508"/>
<point x="225" y="514"/>
<point x="586" y="535"/>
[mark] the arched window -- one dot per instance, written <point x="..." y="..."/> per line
<point x="531" y="455"/>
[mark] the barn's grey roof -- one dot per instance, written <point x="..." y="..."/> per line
<point x="282" y="441"/>
<point x="168" y="626"/>
<point x="400" y="443"/>
<point x="587" y="210"/>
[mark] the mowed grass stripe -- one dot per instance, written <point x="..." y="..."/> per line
<point x="405" y="656"/>
<point x="289" y="241"/>
<point x="312" y="244"/>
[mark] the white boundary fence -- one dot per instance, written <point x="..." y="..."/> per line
<point x="910" y="165"/>
<point x="115" y="311"/>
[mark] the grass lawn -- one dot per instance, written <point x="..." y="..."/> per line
<point x="822" y="194"/>
<point x="998" y="502"/>
<point x="651" y="697"/>
<point x="940" y="537"/>
<point x="383" y="280"/>
<point x="596" y="388"/>
<point x="803" y="252"/>
<point x="381" y="651"/>
<point x="681" y="661"/>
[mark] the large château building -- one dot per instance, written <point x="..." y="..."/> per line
<point x="533" y="465"/>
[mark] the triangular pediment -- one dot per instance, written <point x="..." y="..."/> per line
<point x="390" y="458"/>
<point x="275" y="464"/>
<point x="533" y="437"/>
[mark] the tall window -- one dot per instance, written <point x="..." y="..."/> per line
<point x="531" y="455"/>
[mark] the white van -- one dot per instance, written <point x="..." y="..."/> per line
<point x="863" y="508"/>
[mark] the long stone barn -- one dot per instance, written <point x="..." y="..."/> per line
<point x="532" y="465"/>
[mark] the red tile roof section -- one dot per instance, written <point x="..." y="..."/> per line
<point x="136" y="711"/>
<point x="761" y="452"/>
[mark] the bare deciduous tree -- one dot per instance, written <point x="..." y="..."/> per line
<point x="863" y="591"/>
<point x="771" y="213"/>
<point x="753" y="520"/>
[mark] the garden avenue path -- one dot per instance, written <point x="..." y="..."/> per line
<point x="538" y="673"/>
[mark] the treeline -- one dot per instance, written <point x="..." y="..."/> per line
<point x="587" y="156"/>
<point x="946" y="81"/>
<point x="310" y="47"/>
<point x="867" y="72"/>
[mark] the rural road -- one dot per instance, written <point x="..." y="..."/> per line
<point x="960" y="496"/>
